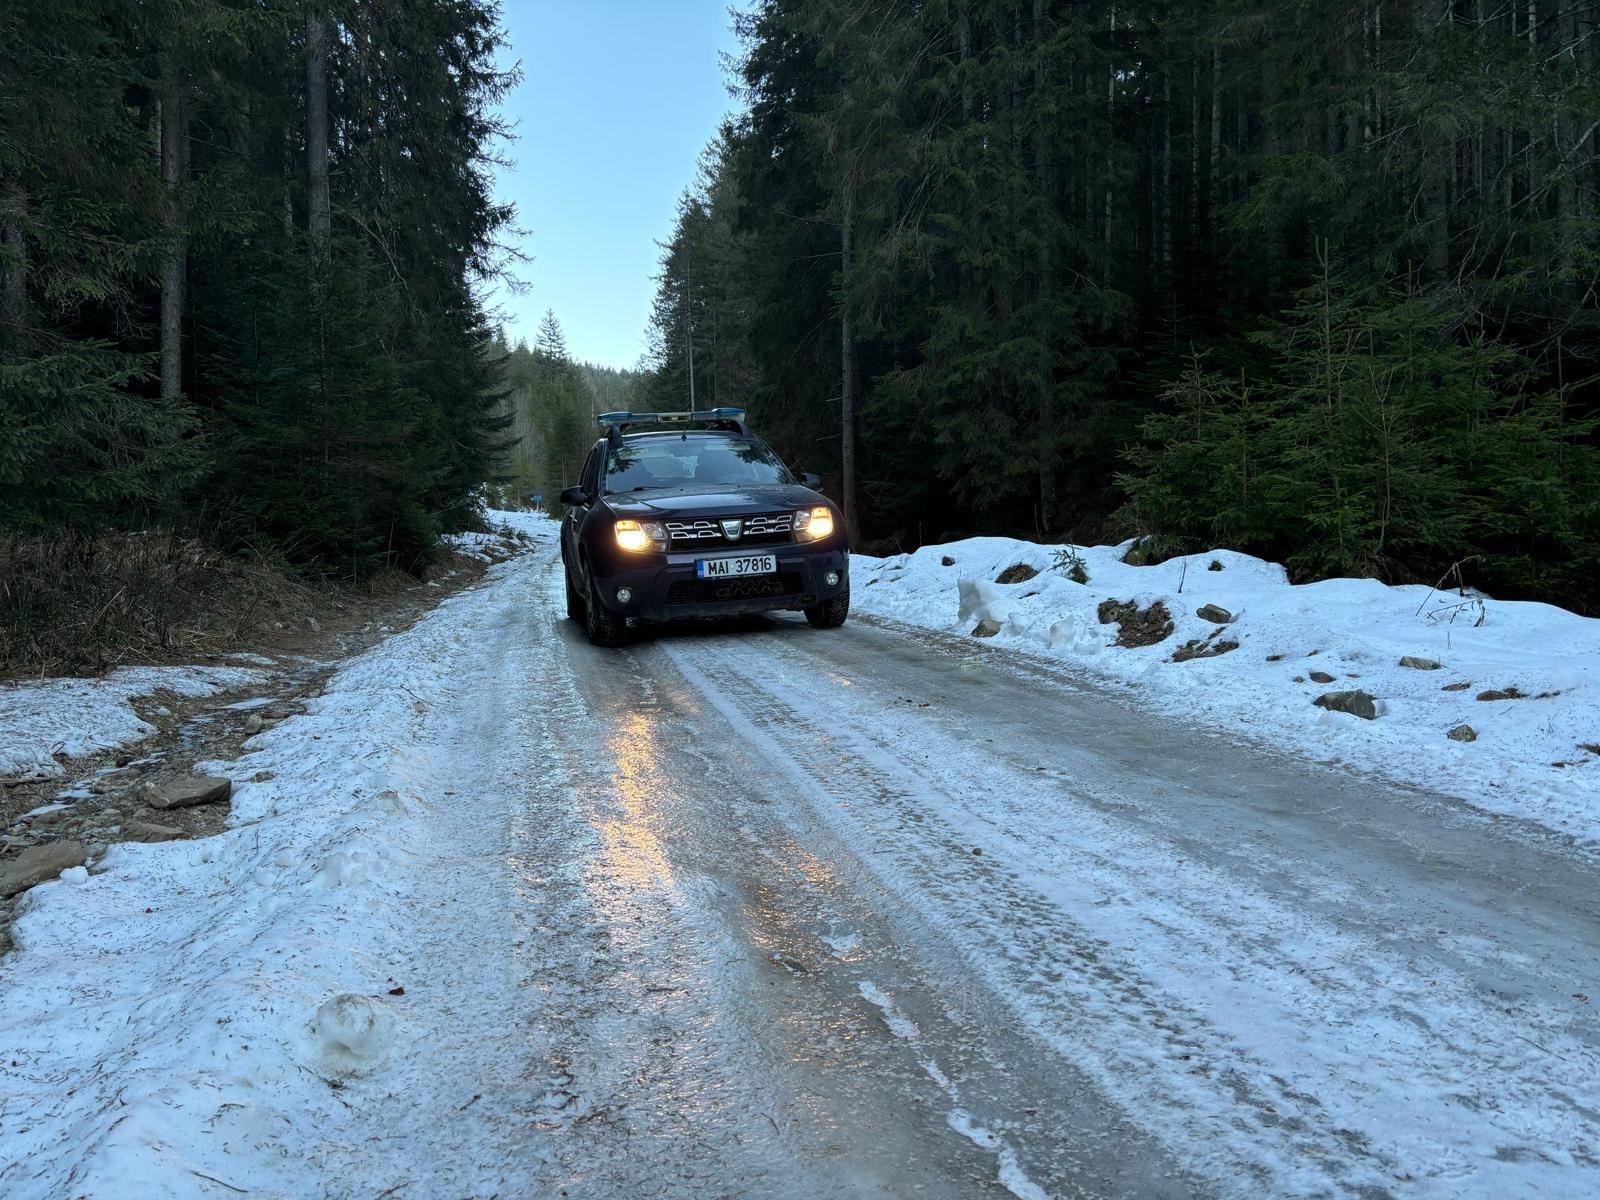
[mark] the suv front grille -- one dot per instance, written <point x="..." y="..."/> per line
<point x="763" y="529"/>
<point x="707" y="591"/>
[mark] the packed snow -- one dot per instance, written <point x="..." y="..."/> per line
<point x="74" y="717"/>
<point x="1524" y="676"/>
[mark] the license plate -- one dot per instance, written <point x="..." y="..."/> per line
<point x="733" y="568"/>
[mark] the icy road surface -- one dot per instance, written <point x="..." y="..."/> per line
<point x="766" y="911"/>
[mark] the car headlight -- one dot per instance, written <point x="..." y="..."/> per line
<point x="813" y="524"/>
<point x="636" y="537"/>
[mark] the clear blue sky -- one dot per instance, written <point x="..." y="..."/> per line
<point x="618" y="100"/>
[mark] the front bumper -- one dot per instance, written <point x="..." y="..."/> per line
<point x="664" y="586"/>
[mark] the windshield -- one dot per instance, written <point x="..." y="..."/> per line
<point x="697" y="460"/>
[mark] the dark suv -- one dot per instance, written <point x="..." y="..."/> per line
<point x="696" y="518"/>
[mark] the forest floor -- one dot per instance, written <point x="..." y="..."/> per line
<point x="751" y="909"/>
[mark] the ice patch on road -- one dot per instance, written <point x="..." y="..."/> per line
<point x="1011" y="1175"/>
<point x="842" y="944"/>
<point x="899" y="1024"/>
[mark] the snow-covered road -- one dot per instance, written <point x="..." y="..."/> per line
<point x="775" y="912"/>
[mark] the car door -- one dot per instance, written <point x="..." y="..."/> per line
<point x="572" y="524"/>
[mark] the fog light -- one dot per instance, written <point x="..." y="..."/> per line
<point x="624" y="595"/>
<point x="832" y="578"/>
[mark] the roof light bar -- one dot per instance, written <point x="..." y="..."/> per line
<point x="608" y="419"/>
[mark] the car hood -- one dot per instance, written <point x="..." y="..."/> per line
<point x="696" y="501"/>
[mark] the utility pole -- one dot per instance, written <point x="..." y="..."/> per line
<point x="688" y="322"/>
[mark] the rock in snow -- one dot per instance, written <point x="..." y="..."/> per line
<point x="1214" y="613"/>
<point x="1356" y="703"/>
<point x="144" y="831"/>
<point x="986" y="629"/>
<point x="37" y="864"/>
<point x="1463" y="733"/>
<point x="1419" y="664"/>
<point x="186" y="793"/>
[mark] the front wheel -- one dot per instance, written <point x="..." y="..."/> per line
<point x="574" y="599"/>
<point x="830" y="614"/>
<point x="604" y="627"/>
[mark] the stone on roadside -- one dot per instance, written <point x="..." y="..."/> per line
<point x="1460" y="686"/>
<point x="1463" y="733"/>
<point x="253" y="725"/>
<point x="145" y="831"/>
<point x="1214" y="613"/>
<point x="1419" y="664"/>
<point x="38" y="864"/>
<point x="986" y="628"/>
<point x="1356" y="703"/>
<point x="1203" y="648"/>
<point x="186" y="793"/>
<point x="1510" y="693"/>
<point x="1320" y="677"/>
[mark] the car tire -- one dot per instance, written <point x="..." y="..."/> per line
<point x="830" y="614"/>
<point x="603" y="627"/>
<point x="574" y="598"/>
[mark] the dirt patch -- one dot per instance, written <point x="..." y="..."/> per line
<point x="1135" y="626"/>
<point x="1016" y="573"/>
<point x="97" y="799"/>
<point x="80" y="606"/>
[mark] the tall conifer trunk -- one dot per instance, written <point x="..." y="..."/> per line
<point x="1438" y="164"/>
<point x="847" y="370"/>
<point x="1046" y="185"/>
<point x="318" y="208"/>
<point x="174" y="157"/>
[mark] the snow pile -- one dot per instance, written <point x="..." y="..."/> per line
<point x="74" y="717"/>
<point x="191" y="1010"/>
<point x="353" y="1032"/>
<point x="1523" y="677"/>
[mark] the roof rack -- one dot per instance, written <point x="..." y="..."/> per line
<point x="617" y="423"/>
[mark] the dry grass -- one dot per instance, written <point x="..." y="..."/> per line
<point x="73" y="603"/>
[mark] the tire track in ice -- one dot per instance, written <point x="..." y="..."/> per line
<point x="1219" y="1103"/>
<point x="1335" y="1007"/>
<point x="1010" y="1174"/>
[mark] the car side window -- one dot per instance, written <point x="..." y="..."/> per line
<point x="587" y="479"/>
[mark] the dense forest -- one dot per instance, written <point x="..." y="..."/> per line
<point x="1316" y="281"/>
<point x="550" y="403"/>
<point x="241" y="246"/>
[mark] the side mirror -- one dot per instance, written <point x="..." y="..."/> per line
<point x="574" y="497"/>
<point x="810" y="480"/>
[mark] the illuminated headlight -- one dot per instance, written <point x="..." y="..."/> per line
<point x="636" y="538"/>
<point x="813" y="524"/>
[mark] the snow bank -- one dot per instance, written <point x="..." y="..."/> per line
<point x="74" y="717"/>
<point x="189" y="1013"/>
<point x="1528" y="759"/>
